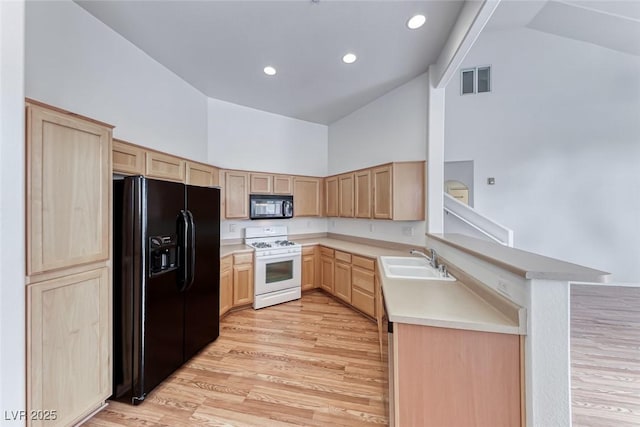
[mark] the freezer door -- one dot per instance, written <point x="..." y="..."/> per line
<point x="162" y="300"/>
<point x="202" y="298"/>
<point x="148" y="308"/>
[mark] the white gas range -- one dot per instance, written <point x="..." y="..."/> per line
<point x="278" y="266"/>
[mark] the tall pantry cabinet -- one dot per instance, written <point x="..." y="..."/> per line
<point x="68" y="208"/>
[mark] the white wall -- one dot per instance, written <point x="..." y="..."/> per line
<point x="560" y="133"/>
<point x="245" y="138"/>
<point x="75" y="62"/>
<point x="391" y="128"/>
<point x="12" y="249"/>
<point x="249" y="139"/>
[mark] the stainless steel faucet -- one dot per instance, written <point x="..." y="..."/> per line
<point x="433" y="261"/>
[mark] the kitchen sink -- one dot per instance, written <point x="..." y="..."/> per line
<point x="397" y="267"/>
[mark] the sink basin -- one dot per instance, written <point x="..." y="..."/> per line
<point x="397" y="267"/>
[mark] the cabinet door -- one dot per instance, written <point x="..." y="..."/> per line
<point x="242" y="284"/>
<point x="261" y="183"/>
<point x="282" y="184"/>
<point x="236" y="194"/>
<point x="408" y="192"/>
<point x="363" y="194"/>
<point x="68" y="190"/>
<point x="306" y="196"/>
<point x="326" y="273"/>
<point x="331" y="196"/>
<point x="342" y="281"/>
<point x="345" y="191"/>
<point x="308" y="272"/>
<point x="200" y="174"/>
<point x="226" y="285"/>
<point x="69" y="356"/>
<point x="128" y="159"/>
<point x="382" y="192"/>
<point x="164" y="166"/>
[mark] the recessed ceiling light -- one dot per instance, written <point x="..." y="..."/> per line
<point x="416" y="21"/>
<point x="349" y="58"/>
<point x="270" y="71"/>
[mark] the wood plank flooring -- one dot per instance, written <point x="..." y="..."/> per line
<point x="605" y="356"/>
<point x="311" y="362"/>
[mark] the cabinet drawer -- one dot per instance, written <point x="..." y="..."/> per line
<point x="308" y="250"/>
<point x="243" y="258"/>
<point x="367" y="263"/>
<point x="342" y="256"/>
<point x="363" y="301"/>
<point x="225" y="263"/>
<point x="326" y="252"/>
<point x="363" y="279"/>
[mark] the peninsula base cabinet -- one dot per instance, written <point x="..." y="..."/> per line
<point x="454" y="377"/>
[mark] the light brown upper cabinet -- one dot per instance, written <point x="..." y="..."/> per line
<point x="261" y="183"/>
<point x="282" y="184"/>
<point x="363" y="194"/>
<point x="331" y="196"/>
<point x="345" y="198"/>
<point x="264" y="183"/>
<point x="128" y="159"/>
<point x="236" y="194"/>
<point x="201" y="175"/>
<point x="306" y="196"/>
<point x="398" y="191"/>
<point x="68" y="190"/>
<point x="382" y="192"/>
<point x="164" y="166"/>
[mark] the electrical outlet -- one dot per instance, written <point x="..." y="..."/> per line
<point x="333" y="223"/>
<point x="408" y="231"/>
<point x="308" y="224"/>
<point x="371" y="227"/>
<point x="232" y="228"/>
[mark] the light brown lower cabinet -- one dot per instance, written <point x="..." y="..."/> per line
<point x="69" y="352"/>
<point x="453" y="377"/>
<point x="327" y="266"/>
<point x="226" y="284"/>
<point x="342" y="276"/>
<point x="363" y="285"/>
<point x="243" y="279"/>
<point x="309" y="270"/>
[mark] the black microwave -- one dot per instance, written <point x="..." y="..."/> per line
<point x="263" y="206"/>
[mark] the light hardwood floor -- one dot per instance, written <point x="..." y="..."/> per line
<point x="312" y="362"/>
<point x="605" y="356"/>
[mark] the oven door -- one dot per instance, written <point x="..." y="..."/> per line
<point x="277" y="272"/>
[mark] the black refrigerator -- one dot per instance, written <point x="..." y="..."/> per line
<point x="166" y="280"/>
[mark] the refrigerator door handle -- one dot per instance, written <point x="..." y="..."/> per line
<point x="183" y="232"/>
<point x="191" y="252"/>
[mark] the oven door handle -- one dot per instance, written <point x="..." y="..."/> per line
<point x="284" y="257"/>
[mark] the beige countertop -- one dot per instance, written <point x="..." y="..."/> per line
<point x="226" y="250"/>
<point x="353" y="247"/>
<point x="442" y="304"/>
<point x="522" y="263"/>
<point x="427" y="302"/>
